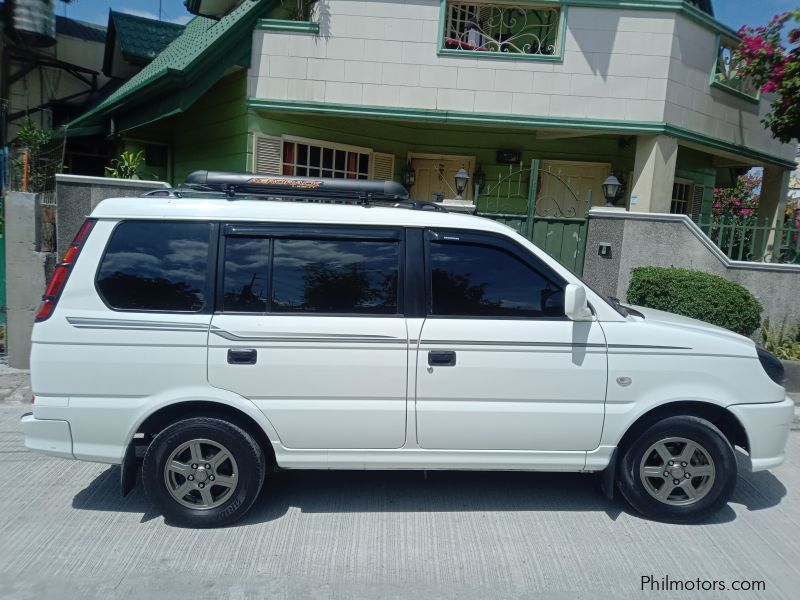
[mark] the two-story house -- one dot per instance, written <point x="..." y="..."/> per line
<point x="539" y="102"/>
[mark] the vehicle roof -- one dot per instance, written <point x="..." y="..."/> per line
<point x="286" y="212"/>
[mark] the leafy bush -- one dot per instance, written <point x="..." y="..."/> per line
<point x="782" y="340"/>
<point x="698" y="295"/>
<point x="126" y="166"/>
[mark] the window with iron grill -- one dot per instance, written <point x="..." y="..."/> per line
<point x="528" y="29"/>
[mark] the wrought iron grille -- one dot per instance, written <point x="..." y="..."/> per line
<point x="499" y="27"/>
<point x="726" y="72"/>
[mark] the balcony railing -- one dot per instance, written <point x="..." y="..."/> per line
<point x="512" y="29"/>
<point x="751" y="239"/>
<point x="725" y="73"/>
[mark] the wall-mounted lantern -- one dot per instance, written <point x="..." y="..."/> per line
<point x="611" y="189"/>
<point x="408" y="175"/>
<point x="462" y="177"/>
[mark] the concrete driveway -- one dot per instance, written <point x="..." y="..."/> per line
<point x="65" y="532"/>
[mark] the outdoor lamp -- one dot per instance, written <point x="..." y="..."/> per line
<point x="479" y="178"/>
<point x="409" y="175"/>
<point x="611" y="187"/>
<point x="461" y="182"/>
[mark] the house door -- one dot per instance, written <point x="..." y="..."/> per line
<point x="436" y="173"/>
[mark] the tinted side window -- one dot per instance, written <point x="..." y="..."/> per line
<point x="335" y="276"/>
<point x="245" y="275"/>
<point x="484" y="281"/>
<point x="156" y="266"/>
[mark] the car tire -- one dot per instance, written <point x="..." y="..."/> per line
<point x="680" y="470"/>
<point x="203" y="472"/>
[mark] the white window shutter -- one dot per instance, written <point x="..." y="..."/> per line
<point x="697" y="200"/>
<point x="382" y="166"/>
<point x="267" y="155"/>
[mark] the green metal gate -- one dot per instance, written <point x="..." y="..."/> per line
<point x="554" y="222"/>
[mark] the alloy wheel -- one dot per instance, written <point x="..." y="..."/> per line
<point x="677" y="471"/>
<point x="201" y="474"/>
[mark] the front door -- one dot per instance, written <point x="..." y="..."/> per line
<point x="499" y="366"/>
<point x="436" y="174"/>
<point x="309" y="327"/>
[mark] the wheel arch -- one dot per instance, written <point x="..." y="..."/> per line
<point x="721" y="417"/>
<point x="164" y="416"/>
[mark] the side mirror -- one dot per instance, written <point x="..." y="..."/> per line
<point x="575" y="305"/>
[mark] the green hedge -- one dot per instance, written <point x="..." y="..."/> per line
<point x="698" y="295"/>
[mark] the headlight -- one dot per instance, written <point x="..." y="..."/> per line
<point x="772" y="365"/>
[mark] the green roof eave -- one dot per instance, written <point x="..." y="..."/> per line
<point x="426" y="115"/>
<point x="185" y="62"/>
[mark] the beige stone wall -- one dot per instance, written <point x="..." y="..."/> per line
<point x="621" y="65"/>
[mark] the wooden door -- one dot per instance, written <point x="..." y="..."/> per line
<point x="437" y="174"/>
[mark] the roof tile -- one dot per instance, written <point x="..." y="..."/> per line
<point x="197" y="37"/>
<point x="143" y="38"/>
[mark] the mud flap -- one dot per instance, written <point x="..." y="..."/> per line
<point x="608" y="476"/>
<point x="130" y="466"/>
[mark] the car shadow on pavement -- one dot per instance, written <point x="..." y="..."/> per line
<point x="104" y="494"/>
<point x="426" y="491"/>
<point x="756" y="491"/>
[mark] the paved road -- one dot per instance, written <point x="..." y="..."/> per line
<point x="66" y="533"/>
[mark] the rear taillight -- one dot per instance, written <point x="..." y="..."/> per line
<point x="62" y="271"/>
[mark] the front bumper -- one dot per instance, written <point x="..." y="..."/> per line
<point x="47" y="435"/>
<point x="767" y="426"/>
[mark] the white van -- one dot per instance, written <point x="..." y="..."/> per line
<point x="213" y="338"/>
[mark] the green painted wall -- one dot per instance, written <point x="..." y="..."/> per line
<point x="482" y="142"/>
<point x="213" y="133"/>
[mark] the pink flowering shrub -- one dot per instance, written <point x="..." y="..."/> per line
<point x="738" y="201"/>
<point x="775" y="69"/>
<point x="734" y="213"/>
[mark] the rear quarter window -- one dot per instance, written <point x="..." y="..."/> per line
<point x="156" y="266"/>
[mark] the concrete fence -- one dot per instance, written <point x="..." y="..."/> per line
<point x="27" y="270"/>
<point x="25" y="274"/>
<point x="77" y="195"/>
<point x="664" y="240"/>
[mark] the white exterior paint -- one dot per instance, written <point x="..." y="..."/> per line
<point x="529" y="395"/>
<point x="626" y="65"/>
<point x="692" y="103"/>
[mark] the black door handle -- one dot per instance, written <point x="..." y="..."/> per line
<point x="442" y="358"/>
<point x="242" y="357"/>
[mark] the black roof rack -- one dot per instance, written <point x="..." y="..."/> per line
<point x="241" y="186"/>
<point x="296" y="187"/>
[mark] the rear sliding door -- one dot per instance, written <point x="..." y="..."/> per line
<point x="309" y="326"/>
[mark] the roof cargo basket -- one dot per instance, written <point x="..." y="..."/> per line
<point x="321" y="189"/>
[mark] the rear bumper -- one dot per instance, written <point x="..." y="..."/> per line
<point x="767" y="426"/>
<point x="47" y="435"/>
